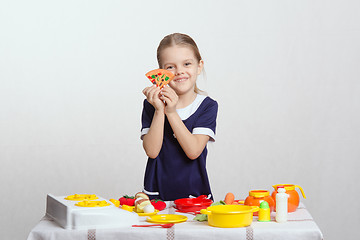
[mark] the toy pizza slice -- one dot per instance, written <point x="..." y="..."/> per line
<point x="160" y="77"/>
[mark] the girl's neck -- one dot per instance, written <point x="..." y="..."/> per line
<point x="186" y="99"/>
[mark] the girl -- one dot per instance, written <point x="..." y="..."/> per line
<point x="177" y="123"/>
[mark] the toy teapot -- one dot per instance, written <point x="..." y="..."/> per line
<point x="256" y="197"/>
<point x="293" y="200"/>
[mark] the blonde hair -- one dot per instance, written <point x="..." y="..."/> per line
<point x="179" y="39"/>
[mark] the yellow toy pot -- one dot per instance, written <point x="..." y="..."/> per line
<point x="230" y="216"/>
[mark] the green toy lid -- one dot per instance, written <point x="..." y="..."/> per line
<point x="264" y="205"/>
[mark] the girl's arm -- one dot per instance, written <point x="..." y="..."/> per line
<point x="152" y="141"/>
<point x="192" y="144"/>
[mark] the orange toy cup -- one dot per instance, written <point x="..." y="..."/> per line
<point x="293" y="200"/>
<point x="257" y="196"/>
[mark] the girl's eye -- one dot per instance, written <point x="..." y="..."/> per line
<point x="169" y="67"/>
<point x="188" y="64"/>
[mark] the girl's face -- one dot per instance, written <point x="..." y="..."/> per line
<point x="181" y="61"/>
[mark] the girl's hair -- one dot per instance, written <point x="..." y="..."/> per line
<point x="179" y="39"/>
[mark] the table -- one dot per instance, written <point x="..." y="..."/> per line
<point x="300" y="225"/>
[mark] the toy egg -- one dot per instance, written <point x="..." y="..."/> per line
<point x="149" y="208"/>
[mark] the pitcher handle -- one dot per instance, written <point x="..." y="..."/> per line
<point x="302" y="192"/>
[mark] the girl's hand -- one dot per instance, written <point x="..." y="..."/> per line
<point x="153" y="96"/>
<point x="170" y="97"/>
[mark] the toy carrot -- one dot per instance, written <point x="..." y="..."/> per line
<point x="229" y="198"/>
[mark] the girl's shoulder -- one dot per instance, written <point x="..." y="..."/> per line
<point x="204" y="99"/>
<point x="208" y="102"/>
<point x="200" y="104"/>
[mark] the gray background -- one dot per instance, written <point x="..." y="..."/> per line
<point x="285" y="75"/>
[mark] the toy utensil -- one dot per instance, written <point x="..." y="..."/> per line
<point x="167" y="225"/>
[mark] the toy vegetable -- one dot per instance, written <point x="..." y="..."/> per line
<point x="127" y="200"/>
<point x="158" y="204"/>
<point x="229" y="198"/>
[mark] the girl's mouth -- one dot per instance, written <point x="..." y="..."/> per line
<point x="180" y="80"/>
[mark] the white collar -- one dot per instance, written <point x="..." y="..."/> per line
<point x="189" y="110"/>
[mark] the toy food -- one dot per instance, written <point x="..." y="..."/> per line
<point x="139" y="205"/>
<point x="160" y="77"/>
<point x="293" y="200"/>
<point x="127" y="200"/>
<point x="115" y="202"/>
<point x="141" y="201"/>
<point x="81" y="197"/>
<point x="158" y="204"/>
<point x="149" y="208"/>
<point x="141" y="195"/>
<point x="229" y="198"/>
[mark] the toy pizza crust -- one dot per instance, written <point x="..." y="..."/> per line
<point x="160" y="77"/>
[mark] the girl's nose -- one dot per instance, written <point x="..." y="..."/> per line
<point x="179" y="71"/>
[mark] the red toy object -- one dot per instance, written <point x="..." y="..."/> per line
<point x="127" y="200"/>
<point x="192" y="204"/>
<point x="158" y="204"/>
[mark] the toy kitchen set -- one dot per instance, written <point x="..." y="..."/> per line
<point x="83" y="211"/>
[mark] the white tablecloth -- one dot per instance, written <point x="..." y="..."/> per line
<point x="300" y="225"/>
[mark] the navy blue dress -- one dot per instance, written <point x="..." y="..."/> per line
<point x="172" y="175"/>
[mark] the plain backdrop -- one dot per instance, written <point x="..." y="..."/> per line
<point x="285" y="75"/>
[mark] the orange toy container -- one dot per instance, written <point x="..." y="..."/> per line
<point x="257" y="196"/>
<point x="293" y="200"/>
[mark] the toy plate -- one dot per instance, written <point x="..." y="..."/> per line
<point x="192" y="204"/>
<point x="167" y="218"/>
<point x="147" y="214"/>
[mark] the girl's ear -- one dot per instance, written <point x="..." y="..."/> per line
<point x="200" y="67"/>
